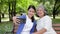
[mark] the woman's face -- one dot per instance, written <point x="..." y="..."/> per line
<point x="31" y="12"/>
<point x="40" y="12"/>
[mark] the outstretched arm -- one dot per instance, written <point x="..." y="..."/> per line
<point x="43" y="30"/>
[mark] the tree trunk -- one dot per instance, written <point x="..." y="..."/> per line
<point x="53" y="15"/>
<point x="9" y="12"/>
<point x="14" y="8"/>
<point x="54" y="9"/>
<point x="2" y="15"/>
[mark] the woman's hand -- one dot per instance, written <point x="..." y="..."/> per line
<point x="15" y="20"/>
<point x="18" y="21"/>
<point x="43" y="30"/>
<point x="35" y="33"/>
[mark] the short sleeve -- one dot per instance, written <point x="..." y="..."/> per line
<point x="47" y="24"/>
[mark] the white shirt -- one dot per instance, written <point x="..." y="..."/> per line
<point x="28" y="26"/>
<point x="45" y="22"/>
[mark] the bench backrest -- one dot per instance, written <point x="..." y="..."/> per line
<point x="57" y="28"/>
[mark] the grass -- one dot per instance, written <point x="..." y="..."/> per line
<point x="56" y="20"/>
<point x="6" y="27"/>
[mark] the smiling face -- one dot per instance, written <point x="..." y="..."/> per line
<point x="31" y="12"/>
<point x="40" y="12"/>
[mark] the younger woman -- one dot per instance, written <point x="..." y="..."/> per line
<point x="29" y="26"/>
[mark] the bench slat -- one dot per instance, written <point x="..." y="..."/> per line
<point x="56" y="25"/>
<point x="57" y="28"/>
<point x="58" y="32"/>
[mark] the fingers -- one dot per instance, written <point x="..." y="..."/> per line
<point x="18" y="21"/>
<point x="15" y="20"/>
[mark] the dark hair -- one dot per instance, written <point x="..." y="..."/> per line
<point x="32" y="6"/>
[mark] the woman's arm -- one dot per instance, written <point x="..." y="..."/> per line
<point x="47" y="26"/>
<point x="43" y="30"/>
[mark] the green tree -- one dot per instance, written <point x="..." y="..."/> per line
<point x="56" y="7"/>
<point x="0" y="9"/>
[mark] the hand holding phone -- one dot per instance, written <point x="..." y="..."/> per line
<point x="21" y="20"/>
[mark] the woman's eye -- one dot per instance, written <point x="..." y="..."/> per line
<point x="29" y="11"/>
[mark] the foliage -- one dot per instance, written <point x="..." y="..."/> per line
<point x="22" y="5"/>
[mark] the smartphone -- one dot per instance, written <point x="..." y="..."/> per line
<point x="22" y="20"/>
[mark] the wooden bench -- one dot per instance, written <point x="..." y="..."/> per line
<point x="57" y="28"/>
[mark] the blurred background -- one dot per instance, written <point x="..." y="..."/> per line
<point x="10" y="8"/>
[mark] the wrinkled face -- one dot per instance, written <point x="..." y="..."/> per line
<point x="31" y="12"/>
<point x="40" y="12"/>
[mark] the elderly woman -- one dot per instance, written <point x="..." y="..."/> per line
<point x="44" y="24"/>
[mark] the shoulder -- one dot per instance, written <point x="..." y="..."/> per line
<point x="22" y="17"/>
<point x="47" y="17"/>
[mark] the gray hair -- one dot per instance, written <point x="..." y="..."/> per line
<point x="41" y="6"/>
